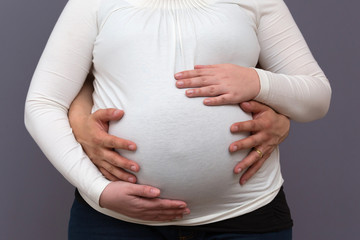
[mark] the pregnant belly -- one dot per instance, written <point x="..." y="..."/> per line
<point x="183" y="147"/>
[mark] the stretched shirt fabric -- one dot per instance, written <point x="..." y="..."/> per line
<point x="135" y="47"/>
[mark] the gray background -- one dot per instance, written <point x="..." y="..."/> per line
<point x="320" y="160"/>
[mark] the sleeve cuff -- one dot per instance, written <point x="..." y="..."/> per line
<point x="97" y="188"/>
<point x="264" y="85"/>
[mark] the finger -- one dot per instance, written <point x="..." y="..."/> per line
<point x="223" y="99"/>
<point x="195" y="82"/>
<point x="249" y="142"/>
<point x="152" y="209"/>
<point x="164" y="205"/>
<point x="193" y="73"/>
<point x="162" y="216"/>
<point x="249" y="160"/>
<point x="209" y="91"/>
<point x="152" y="192"/>
<point x="109" y="114"/>
<point x="253" y="107"/>
<point x="118" y="173"/>
<point x="170" y="211"/>
<point x="169" y="214"/>
<point x="253" y="169"/>
<point x="108" y="175"/>
<point x="204" y="66"/>
<point x="246" y="126"/>
<point x="117" y="160"/>
<point x="156" y="209"/>
<point x="109" y="141"/>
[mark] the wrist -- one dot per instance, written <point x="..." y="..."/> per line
<point x="77" y="118"/>
<point x="256" y="81"/>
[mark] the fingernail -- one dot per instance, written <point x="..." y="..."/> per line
<point x="234" y="128"/>
<point x="132" y="147"/>
<point x="131" y="179"/>
<point x="207" y="101"/>
<point x="243" y="182"/>
<point x="178" y="75"/>
<point x="116" y="112"/>
<point x="180" y="83"/>
<point x="238" y="170"/>
<point x="186" y="212"/>
<point x="246" y="104"/>
<point x="234" y="148"/>
<point x="154" y="191"/>
<point x="189" y="92"/>
<point x="133" y="168"/>
<point x="182" y="206"/>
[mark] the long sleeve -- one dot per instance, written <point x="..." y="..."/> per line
<point x="292" y="82"/>
<point x="60" y="73"/>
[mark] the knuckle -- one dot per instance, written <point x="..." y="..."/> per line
<point x="267" y="124"/>
<point x="138" y="207"/>
<point x="203" y="80"/>
<point x="145" y="190"/>
<point x="247" y="163"/>
<point x="256" y="141"/>
<point x="112" y="161"/>
<point x="267" y="137"/>
<point x="188" y="82"/>
<point x="96" y="140"/>
<point x="112" y="143"/>
<point x="223" y="99"/>
<point x="252" y="124"/>
<point x="162" y="205"/>
<point x="251" y="141"/>
<point x="111" y="168"/>
<point x="235" y="94"/>
<point x="212" y="90"/>
<point x="95" y="153"/>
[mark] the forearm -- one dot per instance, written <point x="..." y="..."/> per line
<point x="59" y="76"/>
<point x="302" y="98"/>
<point x="292" y="82"/>
<point x="81" y="106"/>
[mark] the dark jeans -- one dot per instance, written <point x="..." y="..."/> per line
<point x="88" y="224"/>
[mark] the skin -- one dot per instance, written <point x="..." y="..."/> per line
<point x="232" y="84"/>
<point x="222" y="83"/>
<point x="133" y="200"/>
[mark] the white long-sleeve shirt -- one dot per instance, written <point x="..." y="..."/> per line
<point x="135" y="47"/>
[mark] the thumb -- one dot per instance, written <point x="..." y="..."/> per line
<point x="253" y="107"/>
<point x="144" y="191"/>
<point x="109" y="114"/>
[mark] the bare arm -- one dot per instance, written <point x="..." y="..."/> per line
<point x="268" y="129"/>
<point x="134" y="200"/>
<point x="90" y="131"/>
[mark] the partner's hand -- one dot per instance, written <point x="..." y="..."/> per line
<point x="91" y="132"/>
<point x="141" y="202"/>
<point x="223" y="83"/>
<point x="268" y="130"/>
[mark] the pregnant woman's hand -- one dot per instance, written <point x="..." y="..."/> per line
<point x="141" y="202"/>
<point x="223" y="83"/>
<point x="268" y="129"/>
<point x="91" y="132"/>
